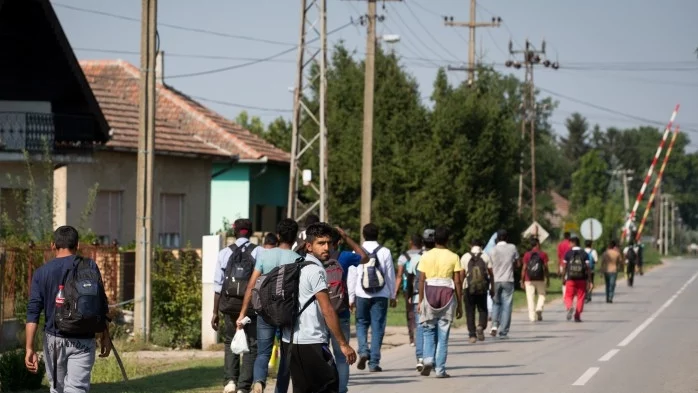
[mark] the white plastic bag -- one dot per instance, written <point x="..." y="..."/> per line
<point x="239" y="343"/>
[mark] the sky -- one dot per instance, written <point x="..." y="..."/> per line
<point x="622" y="62"/>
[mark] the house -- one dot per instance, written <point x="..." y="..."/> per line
<point x="206" y="166"/>
<point x="46" y="107"/>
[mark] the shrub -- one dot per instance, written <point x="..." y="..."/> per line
<point x="14" y="375"/>
<point x="163" y="336"/>
<point x="176" y="289"/>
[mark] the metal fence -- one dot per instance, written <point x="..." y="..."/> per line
<point x="18" y="264"/>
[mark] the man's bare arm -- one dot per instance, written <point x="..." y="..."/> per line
<point x="398" y="278"/>
<point x="248" y="293"/>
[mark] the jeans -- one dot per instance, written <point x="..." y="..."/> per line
<point x="501" y="307"/>
<point x="531" y="288"/>
<point x="610" y="285"/>
<point x="473" y="303"/>
<point x="436" y="333"/>
<point x="631" y="274"/>
<point x="419" y="334"/>
<point x="371" y="312"/>
<point x="340" y="359"/>
<point x="265" y="343"/>
<point x="232" y="371"/>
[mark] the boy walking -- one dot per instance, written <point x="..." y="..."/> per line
<point x="504" y="259"/>
<point x="576" y="273"/>
<point x="478" y="285"/>
<point x="69" y="355"/>
<point x="611" y="264"/>
<point x="535" y="278"/>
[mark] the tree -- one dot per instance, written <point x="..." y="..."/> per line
<point x="589" y="181"/>
<point x="575" y="145"/>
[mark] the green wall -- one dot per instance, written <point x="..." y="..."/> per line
<point x="230" y="194"/>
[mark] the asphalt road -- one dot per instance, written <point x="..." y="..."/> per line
<point x="646" y="341"/>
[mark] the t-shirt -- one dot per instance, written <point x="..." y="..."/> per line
<point x="274" y="257"/>
<point x="527" y="258"/>
<point x="562" y="249"/>
<point x="465" y="260"/>
<point x="311" y="327"/>
<point x="503" y="257"/>
<point x="611" y="261"/>
<point x="439" y="263"/>
<point x="592" y="255"/>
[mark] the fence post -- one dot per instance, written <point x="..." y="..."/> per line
<point x="209" y="256"/>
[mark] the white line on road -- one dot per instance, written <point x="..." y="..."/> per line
<point x="609" y="355"/>
<point x="649" y="320"/>
<point x="586" y="376"/>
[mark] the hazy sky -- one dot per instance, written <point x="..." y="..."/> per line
<point x="636" y="57"/>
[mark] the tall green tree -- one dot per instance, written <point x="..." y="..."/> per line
<point x="590" y="180"/>
<point x="576" y="143"/>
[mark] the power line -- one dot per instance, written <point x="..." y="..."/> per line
<point x="182" y="55"/>
<point x="173" y="26"/>
<point x="431" y="49"/>
<point x="429" y="33"/>
<point x="234" y="105"/>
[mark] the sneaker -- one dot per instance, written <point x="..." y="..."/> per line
<point x="444" y="375"/>
<point x="570" y="313"/>
<point x="230" y="387"/>
<point x="472" y="340"/>
<point x="426" y="370"/>
<point x="539" y="315"/>
<point x="362" y="362"/>
<point x="480" y="333"/>
<point x="503" y="337"/>
<point x="376" y="369"/>
<point x="258" y="387"/>
<point x="493" y="332"/>
<point x="420" y="365"/>
<point x="578" y="319"/>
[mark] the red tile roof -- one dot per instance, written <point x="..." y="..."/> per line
<point x="182" y="125"/>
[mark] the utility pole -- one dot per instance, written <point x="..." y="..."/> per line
<point x="531" y="57"/>
<point x="673" y="223"/>
<point x="660" y="234"/>
<point x="146" y="152"/>
<point x="369" y="89"/>
<point x="313" y="13"/>
<point x="472" y="25"/>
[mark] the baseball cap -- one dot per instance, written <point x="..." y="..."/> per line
<point x="428" y="235"/>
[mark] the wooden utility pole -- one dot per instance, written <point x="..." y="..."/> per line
<point x="313" y="26"/>
<point x="146" y="151"/>
<point x="471" y="25"/>
<point x="531" y="57"/>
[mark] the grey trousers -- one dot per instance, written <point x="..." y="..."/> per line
<point x="74" y="367"/>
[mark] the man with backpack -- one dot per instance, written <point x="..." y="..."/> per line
<point x="313" y="369"/>
<point x="478" y="284"/>
<point x="375" y="285"/>
<point x="69" y="337"/>
<point x="232" y="276"/>
<point x="440" y="298"/>
<point x="286" y="230"/>
<point x="337" y="269"/>
<point x="631" y="254"/>
<point x="576" y="276"/>
<point x="535" y="278"/>
<point x="593" y="258"/>
<point x="404" y="280"/>
<point x="299" y="245"/>
<point x="505" y="258"/>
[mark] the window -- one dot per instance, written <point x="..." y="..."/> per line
<point x="171" y="211"/>
<point x="13" y="204"/>
<point x="266" y="217"/>
<point x="106" y="220"/>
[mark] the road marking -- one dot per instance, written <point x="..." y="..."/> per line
<point x="609" y="355"/>
<point x="586" y="376"/>
<point x="654" y="316"/>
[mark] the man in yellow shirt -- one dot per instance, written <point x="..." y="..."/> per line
<point x="439" y="296"/>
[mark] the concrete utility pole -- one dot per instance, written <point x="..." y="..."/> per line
<point x="146" y="152"/>
<point x="673" y="223"/>
<point x="472" y="25"/>
<point x="369" y="88"/>
<point x="313" y="13"/>
<point x="531" y="58"/>
<point x="665" y="224"/>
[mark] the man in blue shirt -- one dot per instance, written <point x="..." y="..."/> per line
<point x="346" y="259"/>
<point x="74" y="355"/>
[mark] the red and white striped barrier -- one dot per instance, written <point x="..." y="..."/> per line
<point x="641" y="194"/>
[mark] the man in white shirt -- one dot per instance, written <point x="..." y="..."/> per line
<point x="375" y="284"/>
<point x="312" y="366"/>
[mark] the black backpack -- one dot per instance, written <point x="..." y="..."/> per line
<point x="478" y="277"/>
<point x="577" y="267"/>
<point x="237" y="274"/>
<point x="275" y="295"/>
<point x="535" y="268"/>
<point x="631" y="256"/>
<point x="85" y="306"/>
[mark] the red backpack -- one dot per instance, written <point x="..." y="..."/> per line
<point x="336" y="287"/>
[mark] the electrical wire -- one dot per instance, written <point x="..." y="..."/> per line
<point x="431" y="49"/>
<point x="407" y="4"/>
<point x="234" y="105"/>
<point x="182" y="55"/>
<point x="173" y="26"/>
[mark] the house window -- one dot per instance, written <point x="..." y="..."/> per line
<point x="266" y="217"/>
<point x="13" y="205"/>
<point x="106" y="220"/>
<point x="171" y="211"/>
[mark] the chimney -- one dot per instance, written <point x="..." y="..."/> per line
<point x="159" y="67"/>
